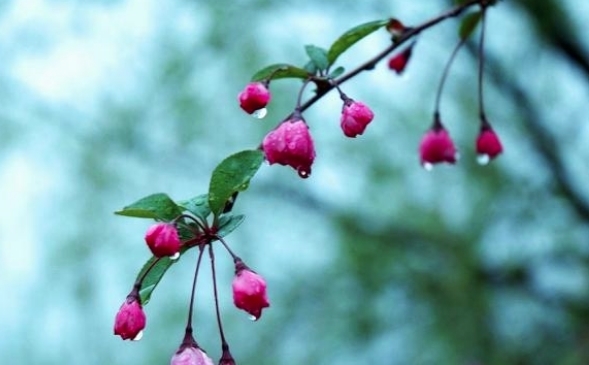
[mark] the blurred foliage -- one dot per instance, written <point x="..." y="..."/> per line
<point x="371" y="260"/>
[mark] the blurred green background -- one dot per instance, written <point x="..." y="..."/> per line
<point x="371" y="260"/>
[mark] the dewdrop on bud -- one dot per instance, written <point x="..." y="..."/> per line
<point x="260" y="113"/>
<point x="249" y="291"/>
<point x="130" y="319"/>
<point x="291" y="144"/>
<point x="488" y="145"/>
<point x="254" y="98"/>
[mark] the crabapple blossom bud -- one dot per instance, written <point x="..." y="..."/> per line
<point x="190" y="355"/>
<point x="130" y="320"/>
<point x="163" y="240"/>
<point x="254" y="97"/>
<point x="355" y="118"/>
<point x="230" y="361"/>
<point x="399" y="61"/>
<point x="249" y="291"/>
<point x="488" y="144"/>
<point x="226" y="357"/>
<point x="436" y="146"/>
<point x="396" y="29"/>
<point x="291" y="144"/>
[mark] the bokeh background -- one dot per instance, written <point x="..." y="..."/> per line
<point x="371" y="260"/>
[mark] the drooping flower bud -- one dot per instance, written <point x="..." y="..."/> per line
<point x="436" y="146"/>
<point x="291" y="144"/>
<point x="488" y="145"/>
<point x="355" y="117"/>
<point x="249" y="291"/>
<point x="190" y="355"/>
<point x="226" y="357"/>
<point x="163" y="240"/>
<point x="399" y="61"/>
<point x="254" y="97"/>
<point x="130" y="319"/>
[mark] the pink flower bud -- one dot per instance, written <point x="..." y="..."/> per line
<point x="249" y="291"/>
<point x="130" y="320"/>
<point x="254" y="97"/>
<point x="163" y="239"/>
<point x="226" y="357"/>
<point x="396" y="28"/>
<point x="437" y="146"/>
<point x="355" y="118"/>
<point x="291" y="144"/>
<point x="399" y="61"/>
<point x="488" y="143"/>
<point x="190" y="355"/>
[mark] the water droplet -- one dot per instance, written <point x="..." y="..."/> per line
<point x="175" y="256"/>
<point x="139" y="336"/>
<point x="483" y="159"/>
<point x="428" y="166"/>
<point x="260" y="113"/>
<point x="304" y="173"/>
<point x="252" y="318"/>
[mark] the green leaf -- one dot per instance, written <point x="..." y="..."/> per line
<point x="156" y="206"/>
<point x="199" y="206"/>
<point x="153" y="277"/>
<point x="156" y="274"/>
<point x="231" y="175"/>
<point x="228" y="223"/>
<point x="280" y="71"/>
<point x="352" y="36"/>
<point x="337" y="72"/>
<point x="318" y="56"/>
<point x="311" y="68"/>
<point x="468" y="24"/>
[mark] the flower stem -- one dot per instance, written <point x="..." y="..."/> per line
<point x="233" y="255"/>
<point x="482" y="65"/>
<point x="445" y="75"/>
<point x="216" y="296"/>
<point x="139" y="281"/>
<point x="191" y="305"/>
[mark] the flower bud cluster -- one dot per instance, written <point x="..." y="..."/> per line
<point x="291" y="143"/>
<point x="437" y="146"/>
<point x="162" y="238"/>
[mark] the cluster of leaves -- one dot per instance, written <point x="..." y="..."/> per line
<point x="230" y="177"/>
<point x="321" y="60"/>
